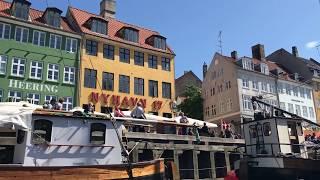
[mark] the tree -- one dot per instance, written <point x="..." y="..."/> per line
<point x="192" y="106"/>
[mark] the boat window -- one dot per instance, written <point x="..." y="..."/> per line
<point x="20" y="136"/>
<point x="299" y="129"/>
<point x="253" y="131"/>
<point x="42" y="130"/>
<point x="97" y="133"/>
<point x="266" y="129"/>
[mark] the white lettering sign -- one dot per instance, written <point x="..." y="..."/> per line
<point x="33" y="86"/>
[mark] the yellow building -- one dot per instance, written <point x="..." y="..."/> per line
<point x="122" y="64"/>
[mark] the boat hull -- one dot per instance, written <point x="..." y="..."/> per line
<point x="142" y="171"/>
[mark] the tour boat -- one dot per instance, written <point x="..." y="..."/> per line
<point x="37" y="143"/>
<point x="275" y="147"/>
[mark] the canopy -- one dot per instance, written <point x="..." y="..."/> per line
<point x="196" y="121"/>
<point x="15" y="114"/>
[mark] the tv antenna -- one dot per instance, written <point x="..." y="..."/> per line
<point x="220" y="41"/>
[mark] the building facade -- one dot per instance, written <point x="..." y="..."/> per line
<point x="39" y="55"/>
<point x="122" y="64"/>
<point x="305" y="95"/>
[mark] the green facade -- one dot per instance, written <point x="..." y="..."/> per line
<point x="10" y="49"/>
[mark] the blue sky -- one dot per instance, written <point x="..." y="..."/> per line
<point x="192" y="26"/>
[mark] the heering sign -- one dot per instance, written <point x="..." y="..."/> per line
<point x="33" y="86"/>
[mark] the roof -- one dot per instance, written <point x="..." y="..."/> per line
<point x="189" y="73"/>
<point x="35" y="17"/>
<point x="81" y="17"/>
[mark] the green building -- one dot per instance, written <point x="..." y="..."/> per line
<point x="39" y="55"/>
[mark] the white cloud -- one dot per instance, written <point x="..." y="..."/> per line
<point x="312" y="44"/>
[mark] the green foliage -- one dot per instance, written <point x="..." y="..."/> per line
<point x="192" y="106"/>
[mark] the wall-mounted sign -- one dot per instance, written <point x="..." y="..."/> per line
<point x="31" y="86"/>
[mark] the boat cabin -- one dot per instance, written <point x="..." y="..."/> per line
<point x="37" y="137"/>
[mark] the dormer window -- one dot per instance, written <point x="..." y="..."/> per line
<point x="97" y="25"/>
<point x="52" y="17"/>
<point x="157" y="42"/>
<point x="20" y="9"/>
<point x="129" y="34"/>
<point x="264" y="68"/>
<point x="247" y="64"/>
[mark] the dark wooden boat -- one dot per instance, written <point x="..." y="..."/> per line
<point x="142" y="171"/>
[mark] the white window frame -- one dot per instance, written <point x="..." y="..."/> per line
<point x="298" y="110"/>
<point x="52" y="71"/>
<point x="305" y="111"/>
<point x="19" y="64"/>
<point x="311" y="112"/>
<point x="72" y="42"/>
<point x="47" y="98"/>
<point x="55" y="41"/>
<point x="39" y="38"/>
<point x="290" y="108"/>
<point x="33" y="99"/>
<point x="15" y="97"/>
<point x="37" y="69"/>
<point x="255" y="85"/>
<point x="246" y="102"/>
<point x="66" y="103"/>
<point x="245" y="81"/>
<point x="3" y="63"/>
<point x="70" y="74"/>
<point x="4" y="30"/>
<point x="264" y="84"/>
<point x="264" y="68"/>
<point x="21" y="38"/>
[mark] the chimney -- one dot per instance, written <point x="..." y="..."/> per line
<point x="108" y="8"/>
<point x="295" y="51"/>
<point x="258" y="52"/>
<point x="234" y="55"/>
<point x="204" y="69"/>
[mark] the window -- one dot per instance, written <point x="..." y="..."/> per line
<point x="55" y="41"/>
<point x="33" y="98"/>
<point x="124" y="84"/>
<point x="214" y="110"/>
<point x="245" y="83"/>
<point x="288" y="89"/>
<point x="138" y="58"/>
<point x="39" y="38"/>
<point x="49" y="98"/>
<point x="90" y="78"/>
<point x="1" y="95"/>
<point x="71" y="45"/>
<point x="108" y="51"/>
<point x="53" y="72"/>
<point x="139" y="86"/>
<point x="124" y="55"/>
<point x="290" y="108"/>
<point x="53" y="18"/>
<point x="308" y="93"/>
<point x="69" y="75"/>
<point x="67" y="104"/>
<point x="247" y="64"/>
<point x="42" y="130"/>
<point x="229" y="105"/>
<point x="166" y="90"/>
<point x="298" y="110"/>
<point x="282" y="105"/>
<point x="272" y="88"/>
<point x="305" y="111"/>
<point x="99" y="26"/>
<point x="153" y="62"/>
<point x="295" y="91"/>
<point x="3" y="64"/>
<point x="302" y="92"/>
<point x="266" y="129"/>
<point x="18" y="67"/>
<point x="264" y="68"/>
<point x="153" y="88"/>
<point x="21" y="10"/>
<point x="91" y="47"/>
<point x="129" y="34"/>
<point x="36" y="70"/>
<point x="311" y="112"/>
<point x="22" y="34"/>
<point x="165" y="63"/>
<point x="97" y="133"/>
<point x="246" y="102"/>
<point x="255" y="85"/>
<point x="14" y="96"/>
<point x="160" y="43"/>
<point x="253" y="131"/>
<point x="264" y="86"/>
<point x="5" y="31"/>
<point x="280" y="88"/>
<point x="107" y="81"/>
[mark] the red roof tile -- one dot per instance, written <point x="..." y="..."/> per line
<point x="81" y="17"/>
<point x="35" y="17"/>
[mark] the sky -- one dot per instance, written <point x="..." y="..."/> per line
<point x="192" y="26"/>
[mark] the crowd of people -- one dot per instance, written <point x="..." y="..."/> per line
<point x="54" y="104"/>
<point x="312" y="138"/>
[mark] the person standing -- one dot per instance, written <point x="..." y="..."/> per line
<point x="138" y="113"/>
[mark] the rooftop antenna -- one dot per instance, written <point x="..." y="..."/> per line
<point x="47" y="3"/>
<point x="69" y="3"/>
<point x="220" y="41"/>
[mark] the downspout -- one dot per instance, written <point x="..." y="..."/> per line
<point x="79" y="71"/>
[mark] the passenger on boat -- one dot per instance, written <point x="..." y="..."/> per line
<point x="59" y="105"/>
<point x="138" y="113"/>
<point x="52" y="104"/>
<point x="118" y="112"/>
<point x="184" y="120"/>
<point x="204" y="131"/>
<point x="190" y="133"/>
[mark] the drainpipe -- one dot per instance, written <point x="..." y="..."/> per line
<point x="79" y="71"/>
